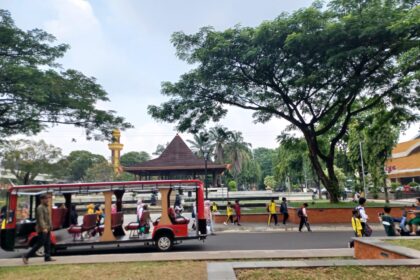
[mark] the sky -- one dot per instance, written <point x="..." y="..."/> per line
<point x="125" y="45"/>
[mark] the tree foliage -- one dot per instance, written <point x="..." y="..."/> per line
<point x="35" y="91"/>
<point x="317" y="68"/>
<point x="26" y="159"/>
<point x="75" y="165"/>
<point x="131" y="158"/>
<point x="100" y="172"/>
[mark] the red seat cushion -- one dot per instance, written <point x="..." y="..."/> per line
<point x="75" y="229"/>
<point x="181" y="221"/>
<point x="132" y="226"/>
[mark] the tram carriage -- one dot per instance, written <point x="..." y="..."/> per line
<point x="167" y="230"/>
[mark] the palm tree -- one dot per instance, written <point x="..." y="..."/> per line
<point x="219" y="136"/>
<point x="201" y="144"/>
<point x="238" y="152"/>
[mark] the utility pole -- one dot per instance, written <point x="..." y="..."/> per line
<point x="363" y="168"/>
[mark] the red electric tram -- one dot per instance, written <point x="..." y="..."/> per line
<point x="167" y="230"/>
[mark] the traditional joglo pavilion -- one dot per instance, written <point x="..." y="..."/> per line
<point x="176" y="162"/>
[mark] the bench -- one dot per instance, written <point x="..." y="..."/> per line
<point x="177" y="220"/>
<point x="117" y="220"/>
<point x="89" y="224"/>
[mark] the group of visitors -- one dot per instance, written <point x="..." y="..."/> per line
<point x="272" y="211"/>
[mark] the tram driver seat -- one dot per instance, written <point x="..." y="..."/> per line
<point x="177" y="220"/>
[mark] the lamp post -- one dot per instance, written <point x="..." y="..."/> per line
<point x="363" y="168"/>
<point x="206" y="155"/>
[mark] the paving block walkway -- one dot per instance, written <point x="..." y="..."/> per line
<point x="184" y="256"/>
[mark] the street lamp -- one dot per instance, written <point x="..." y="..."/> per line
<point x="206" y="158"/>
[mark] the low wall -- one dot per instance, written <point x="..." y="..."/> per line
<point x="377" y="248"/>
<point x="318" y="215"/>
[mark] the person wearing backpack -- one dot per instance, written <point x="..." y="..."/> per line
<point x="272" y="212"/>
<point x="357" y="226"/>
<point x="367" y="231"/>
<point x="283" y="210"/>
<point x="302" y="214"/>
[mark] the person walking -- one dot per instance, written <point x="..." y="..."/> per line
<point x="237" y="208"/>
<point x="208" y="216"/>
<point x="229" y="213"/>
<point x="283" y="210"/>
<point x="302" y="214"/>
<point x="43" y="228"/>
<point x="272" y="212"/>
<point x="363" y="216"/>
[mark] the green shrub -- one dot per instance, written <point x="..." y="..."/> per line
<point x="413" y="184"/>
<point x="232" y="186"/>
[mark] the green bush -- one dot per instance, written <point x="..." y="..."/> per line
<point x="413" y="184"/>
<point x="394" y="186"/>
<point x="232" y="186"/>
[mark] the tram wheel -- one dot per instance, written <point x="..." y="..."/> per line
<point x="164" y="243"/>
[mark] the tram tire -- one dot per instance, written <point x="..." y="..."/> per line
<point x="164" y="242"/>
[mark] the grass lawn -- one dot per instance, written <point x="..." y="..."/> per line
<point x="410" y="243"/>
<point x="136" y="270"/>
<point x="353" y="272"/>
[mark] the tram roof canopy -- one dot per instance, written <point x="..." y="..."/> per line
<point x="83" y="188"/>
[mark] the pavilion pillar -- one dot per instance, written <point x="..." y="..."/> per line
<point x="107" y="234"/>
<point x="119" y="231"/>
<point x="214" y="179"/>
<point x="67" y="203"/>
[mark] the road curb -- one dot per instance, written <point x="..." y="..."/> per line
<point x="187" y="256"/>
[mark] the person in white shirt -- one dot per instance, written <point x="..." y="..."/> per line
<point x="363" y="216"/>
<point x="302" y="214"/>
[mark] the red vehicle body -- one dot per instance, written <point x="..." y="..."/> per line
<point x="168" y="229"/>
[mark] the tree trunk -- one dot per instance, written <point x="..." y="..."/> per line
<point x="386" y="191"/>
<point x="330" y="182"/>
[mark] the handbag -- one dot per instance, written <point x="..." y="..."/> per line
<point x="367" y="230"/>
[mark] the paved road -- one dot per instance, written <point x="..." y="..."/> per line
<point x="231" y="241"/>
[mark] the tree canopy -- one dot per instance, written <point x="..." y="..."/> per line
<point x="131" y="158"/>
<point x="26" y="159"/>
<point x="317" y="68"/>
<point x="35" y="91"/>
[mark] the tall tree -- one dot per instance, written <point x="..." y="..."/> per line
<point x="76" y="164"/>
<point x="265" y="158"/>
<point x="35" y="91"/>
<point x="317" y="68"/>
<point x="26" y="159"/>
<point x="219" y="136"/>
<point x="201" y="144"/>
<point x="237" y="152"/>
<point x="131" y="158"/>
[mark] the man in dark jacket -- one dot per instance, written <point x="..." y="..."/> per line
<point x="43" y="227"/>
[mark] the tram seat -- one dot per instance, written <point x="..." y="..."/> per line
<point x="58" y="216"/>
<point x="89" y="223"/>
<point x="132" y="227"/>
<point x="177" y="220"/>
<point x="117" y="220"/>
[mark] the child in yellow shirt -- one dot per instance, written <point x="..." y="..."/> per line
<point x="229" y="213"/>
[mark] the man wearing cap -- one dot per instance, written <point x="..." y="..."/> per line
<point x="43" y="227"/>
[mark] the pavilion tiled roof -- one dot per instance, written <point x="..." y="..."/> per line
<point x="177" y="156"/>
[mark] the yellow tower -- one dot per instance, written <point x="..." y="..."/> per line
<point x="116" y="148"/>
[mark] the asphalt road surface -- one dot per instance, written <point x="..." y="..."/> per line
<point x="227" y="241"/>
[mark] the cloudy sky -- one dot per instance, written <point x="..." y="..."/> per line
<point x="126" y="45"/>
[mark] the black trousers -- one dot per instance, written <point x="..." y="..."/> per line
<point x="43" y="240"/>
<point x="304" y="221"/>
<point x="275" y="218"/>
<point x="285" y="218"/>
